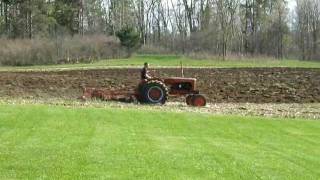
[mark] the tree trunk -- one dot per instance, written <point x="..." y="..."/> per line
<point x="6" y="20"/>
<point x="314" y="37"/>
<point x="29" y="15"/>
<point x="247" y="14"/>
<point x="189" y="14"/>
<point x="280" y="34"/>
<point x="1" y="8"/>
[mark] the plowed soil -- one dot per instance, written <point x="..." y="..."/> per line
<point x="257" y="85"/>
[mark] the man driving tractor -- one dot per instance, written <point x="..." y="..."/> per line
<point x="145" y="74"/>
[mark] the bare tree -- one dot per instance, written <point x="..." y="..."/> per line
<point x="226" y="10"/>
<point x="308" y="28"/>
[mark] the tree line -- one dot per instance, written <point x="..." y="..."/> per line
<point x="218" y="27"/>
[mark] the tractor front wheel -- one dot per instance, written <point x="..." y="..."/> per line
<point x="189" y="100"/>
<point x="199" y="100"/>
<point x="196" y="100"/>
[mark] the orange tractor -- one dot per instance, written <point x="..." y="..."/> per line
<point x="153" y="91"/>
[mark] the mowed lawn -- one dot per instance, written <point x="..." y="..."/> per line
<point x="39" y="142"/>
<point x="175" y="61"/>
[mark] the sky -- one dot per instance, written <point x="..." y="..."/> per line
<point x="292" y="4"/>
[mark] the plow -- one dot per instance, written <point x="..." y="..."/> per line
<point x="151" y="91"/>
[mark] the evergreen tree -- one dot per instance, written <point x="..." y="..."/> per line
<point x="129" y="38"/>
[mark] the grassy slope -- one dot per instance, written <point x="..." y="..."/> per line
<point x="60" y="143"/>
<point x="172" y="61"/>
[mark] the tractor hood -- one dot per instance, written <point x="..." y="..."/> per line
<point x="175" y="80"/>
<point x="179" y="79"/>
<point x="180" y="85"/>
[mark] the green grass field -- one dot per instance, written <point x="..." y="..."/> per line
<point x="173" y="61"/>
<point x="55" y="142"/>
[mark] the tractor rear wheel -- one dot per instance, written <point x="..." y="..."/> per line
<point x="198" y="100"/>
<point x="154" y="92"/>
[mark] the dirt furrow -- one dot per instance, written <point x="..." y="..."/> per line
<point x="255" y="85"/>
